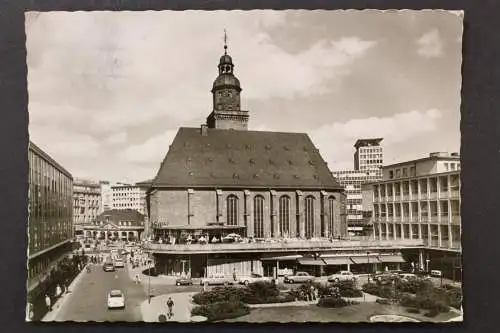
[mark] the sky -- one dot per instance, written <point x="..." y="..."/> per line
<point x="108" y="90"/>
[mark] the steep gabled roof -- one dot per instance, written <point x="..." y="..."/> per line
<point x="244" y="159"/>
<point x="117" y="215"/>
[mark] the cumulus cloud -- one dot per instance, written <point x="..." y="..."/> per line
<point x="430" y="45"/>
<point x="336" y="140"/>
<point x="151" y="151"/>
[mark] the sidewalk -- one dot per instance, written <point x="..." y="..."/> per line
<point x="158" y="306"/>
<point x="58" y="305"/>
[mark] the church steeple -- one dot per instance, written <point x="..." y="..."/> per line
<point x="227" y="113"/>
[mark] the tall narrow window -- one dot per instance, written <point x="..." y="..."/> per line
<point x="232" y="210"/>
<point x="258" y="218"/>
<point x="284" y="216"/>
<point x="309" y="217"/>
<point x="331" y="215"/>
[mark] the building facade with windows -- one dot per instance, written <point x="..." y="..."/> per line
<point x="420" y="200"/>
<point x="116" y="224"/>
<point x="227" y="199"/>
<point x="128" y="196"/>
<point x="106" y="196"/>
<point x="368" y="160"/>
<point x="50" y="223"/>
<point x="86" y="202"/>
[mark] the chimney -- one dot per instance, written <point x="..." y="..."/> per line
<point x="204" y="130"/>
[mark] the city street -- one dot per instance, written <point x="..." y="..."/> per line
<point x="88" y="301"/>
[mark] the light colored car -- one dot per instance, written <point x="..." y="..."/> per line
<point x="119" y="263"/>
<point x="342" y="276"/>
<point x="407" y="277"/>
<point x="116" y="299"/>
<point x="217" y="279"/>
<point x="108" y="267"/>
<point x="253" y="277"/>
<point x="299" y="277"/>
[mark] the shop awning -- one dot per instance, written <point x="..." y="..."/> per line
<point x="365" y="260"/>
<point x="311" y="262"/>
<point x="280" y="258"/>
<point x="337" y="261"/>
<point x="206" y="227"/>
<point x="392" y="258"/>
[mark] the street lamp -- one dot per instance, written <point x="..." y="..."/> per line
<point x="149" y="283"/>
<point x="427" y="261"/>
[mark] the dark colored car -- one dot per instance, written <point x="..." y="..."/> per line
<point x="183" y="282"/>
<point x="108" y="267"/>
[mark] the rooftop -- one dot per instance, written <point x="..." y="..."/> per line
<point x="367" y="142"/>
<point x="436" y="156"/>
<point x="236" y="159"/>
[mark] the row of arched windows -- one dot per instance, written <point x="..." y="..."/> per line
<point x="283" y="214"/>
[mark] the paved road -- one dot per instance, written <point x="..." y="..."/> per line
<point x="88" y="302"/>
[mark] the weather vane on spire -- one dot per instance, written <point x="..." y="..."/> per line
<point x="225" y="42"/>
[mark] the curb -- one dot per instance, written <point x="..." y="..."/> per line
<point x="56" y="308"/>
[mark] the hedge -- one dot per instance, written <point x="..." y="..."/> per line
<point x="221" y="310"/>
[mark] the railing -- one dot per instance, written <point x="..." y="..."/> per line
<point x="433" y="195"/>
<point x="277" y="246"/>
<point x="397" y="219"/>
<point x="445" y="244"/>
<point x="454" y="194"/>
<point x="423" y="196"/>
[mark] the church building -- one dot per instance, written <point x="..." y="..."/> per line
<point x="224" y="195"/>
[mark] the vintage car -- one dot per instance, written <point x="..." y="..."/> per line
<point x="299" y="277"/>
<point x="342" y="276"/>
<point x="116" y="299"/>
<point x="183" y="282"/>
<point x="253" y="277"/>
<point x="217" y="279"/>
<point x="108" y="266"/>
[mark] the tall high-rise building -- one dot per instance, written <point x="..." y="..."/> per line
<point x="106" y="196"/>
<point x="369" y="155"/>
<point x="50" y="224"/>
<point x="368" y="159"/>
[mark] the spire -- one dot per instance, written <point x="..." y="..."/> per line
<point x="225" y="42"/>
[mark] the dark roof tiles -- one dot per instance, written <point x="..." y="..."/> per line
<point x="259" y="159"/>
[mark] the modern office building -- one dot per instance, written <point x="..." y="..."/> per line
<point x="86" y="202"/>
<point x="50" y="199"/>
<point x="420" y="200"/>
<point x="227" y="199"/>
<point x="128" y="196"/>
<point x="369" y="155"/>
<point x="368" y="159"/>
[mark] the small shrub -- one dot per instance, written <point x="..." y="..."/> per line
<point x="221" y="310"/>
<point x="351" y="293"/>
<point x="217" y="295"/>
<point x="378" y="290"/>
<point x="413" y="310"/>
<point x="333" y="302"/>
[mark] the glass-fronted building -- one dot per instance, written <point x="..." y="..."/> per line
<point x="50" y="222"/>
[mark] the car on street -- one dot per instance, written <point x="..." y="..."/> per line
<point x="385" y="277"/>
<point x="217" y="279"/>
<point x="299" y="277"/>
<point x="406" y="277"/>
<point x="119" y="263"/>
<point x="116" y="299"/>
<point x="342" y="276"/>
<point x="183" y="282"/>
<point x="253" y="277"/>
<point x="108" y="267"/>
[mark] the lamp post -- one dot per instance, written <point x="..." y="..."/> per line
<point x="149" y="283"/>
<point x="427" y="261"/>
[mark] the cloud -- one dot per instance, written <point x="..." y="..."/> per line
<point x="336" y="140"/>
<point x="120" y="137"/>
<point x="430" y="45"/>
<point x="151" y="151"/>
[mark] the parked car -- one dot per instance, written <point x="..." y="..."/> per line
<point x="108" y="267"/>
<point x="217" y="279"/>
<point x="119" y="263"/>
<point x="385" y="277"/>
<point x="183" y="282"/>
<point x="406" y="277"/>
<point x="253" y="277"/>
<point x="116" y="299"/>
<point x="342" y="276"/>
<point x="299" y="277"/>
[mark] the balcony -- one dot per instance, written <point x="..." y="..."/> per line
<point x="397" y="219"/>
<point x="423" y="196"/>
<point x="283" y="246"/>
<point x="433" y="195"/>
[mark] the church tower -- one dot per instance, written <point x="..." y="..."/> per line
<point x="227" y="113"/>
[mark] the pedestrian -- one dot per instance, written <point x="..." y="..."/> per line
<point x="58" y="291"/>
<point x="234" y="274"/>
<point x="170" y="305"/>
<point x="48" y="303"/>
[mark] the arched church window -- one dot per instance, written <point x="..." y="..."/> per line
<point x="284" y="215"/>
<point x="309" y="216"/>
<point x="258" y="211"/>
<point x="232" y="210"/>
<point x="331" y="215"/>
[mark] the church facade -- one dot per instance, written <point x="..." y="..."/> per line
<point x="227" y="199"/>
